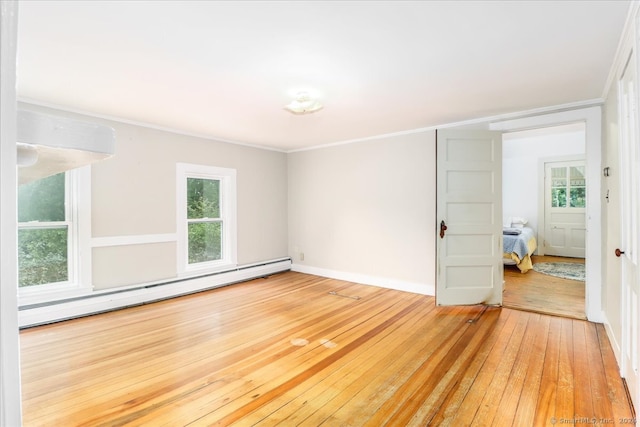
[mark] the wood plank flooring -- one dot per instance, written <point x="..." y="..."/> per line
<point x="542" y="293"/>
<point x="285" y="351"/>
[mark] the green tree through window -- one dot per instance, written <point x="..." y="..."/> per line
<point x="204" y="221"/>
<point x="568" y="187"/>
<point x="43" y="232"/>
<point x="206" y="218"/>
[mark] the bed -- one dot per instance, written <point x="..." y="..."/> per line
<point x="518" y="245"/>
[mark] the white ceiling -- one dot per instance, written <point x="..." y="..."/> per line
<point x="226" y="69"/>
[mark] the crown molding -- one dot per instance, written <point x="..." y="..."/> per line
<point x="470" y="122"/>
<point x="481" y="120"/>
<point x="144" y="124"/>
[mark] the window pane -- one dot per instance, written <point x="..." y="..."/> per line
<point x="577" y="175"/>
<point x="42" y="200"/>
<point x="205" y="241"/>
<point x="577" y="197"/>
<point x="559" y="177"/>
<point x="42" y="256"/>
<point x="559" y="197"/>
<point x="203" y="198"/>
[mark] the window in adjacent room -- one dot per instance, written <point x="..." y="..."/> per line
<point x="568" y="187"/>
<point x="206" y="218"/>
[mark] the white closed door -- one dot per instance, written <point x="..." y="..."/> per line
<point x="565" y="209"/>
<point x="629" y="244"/>
<point x="469" y="218"/>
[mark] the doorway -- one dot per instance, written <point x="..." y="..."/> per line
<point x="557" y="153"/>
<point x="591" y="118"/>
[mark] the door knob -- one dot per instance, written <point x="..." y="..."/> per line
<point x="443" y="227"/>
<point x="619" y="252"/>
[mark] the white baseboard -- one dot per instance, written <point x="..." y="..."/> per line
<point x="383" y="282"/>
<point x="114" y="299"/>
<point x="596" y="317"/>
<point x="615" y="345"/>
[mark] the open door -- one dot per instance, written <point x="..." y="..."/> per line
<point x="469" y="216"/>
<point x="630" y="228"/>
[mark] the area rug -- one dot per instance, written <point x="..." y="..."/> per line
<point x="565" y="270"/>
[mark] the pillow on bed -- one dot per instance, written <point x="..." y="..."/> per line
<point x="513" y="222"/>
<point x="517" y="222"/>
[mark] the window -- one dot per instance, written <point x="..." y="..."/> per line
<point x="206" y="198"/>
<point x="49" y="233"/>
<point x="43" y="232"/>
<point x="568" y="187"/>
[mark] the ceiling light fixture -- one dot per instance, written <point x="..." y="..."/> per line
<point x="303" y="104"/>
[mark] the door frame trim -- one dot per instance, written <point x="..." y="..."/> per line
<point x="592" y="118"/>
<point x="10" y="388"/>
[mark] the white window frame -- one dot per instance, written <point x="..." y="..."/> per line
<point x="227" y="178"/>
<point x="567" y="165"/>
<point x="78" y="221"/>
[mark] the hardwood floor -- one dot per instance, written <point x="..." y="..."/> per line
<point x="542" y="293"/>
<point x="285" y="350"/>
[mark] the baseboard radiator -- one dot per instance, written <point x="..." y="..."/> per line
<point x="114" y="299"/>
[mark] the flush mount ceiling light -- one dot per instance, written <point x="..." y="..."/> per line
<point x="303" y="104"/>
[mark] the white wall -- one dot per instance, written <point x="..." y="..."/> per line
<point x="366" y="211"/>
<point x="521" y="153"/>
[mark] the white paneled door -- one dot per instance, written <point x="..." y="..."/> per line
<point x="469" y="216"/>
<point x="628" y="252"/>
<point x="565" y="203"/>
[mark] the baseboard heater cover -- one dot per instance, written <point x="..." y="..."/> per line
<point x="57" y="311"/>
